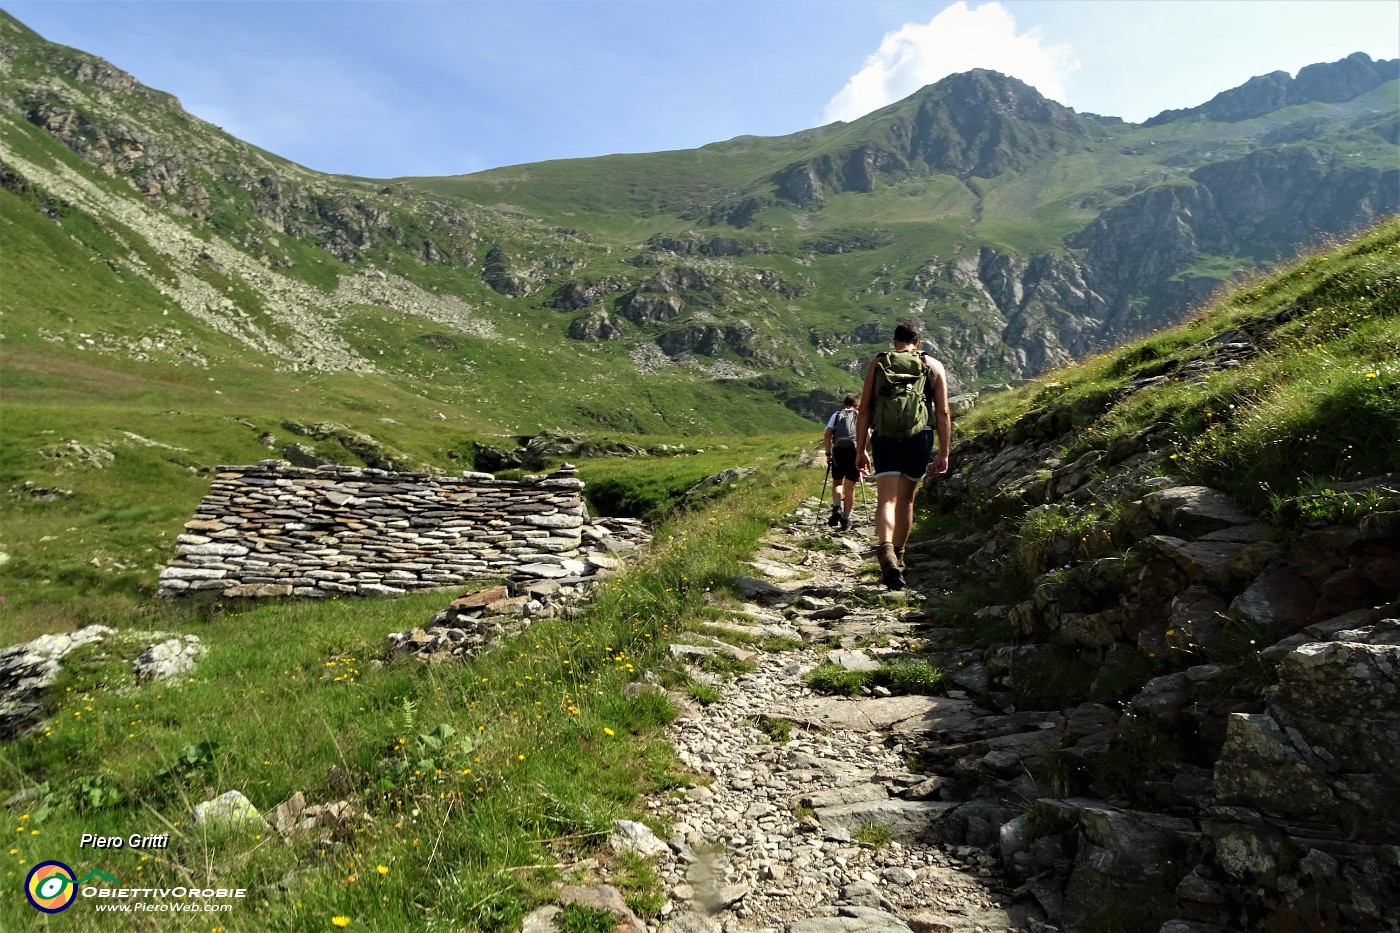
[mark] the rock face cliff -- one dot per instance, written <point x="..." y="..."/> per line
<point x="1184" y="772"/>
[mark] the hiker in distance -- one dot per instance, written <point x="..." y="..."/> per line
<point x="903" y="389"/>
<point x="840" y="443"/>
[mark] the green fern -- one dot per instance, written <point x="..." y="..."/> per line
<point x="408" y="714"/>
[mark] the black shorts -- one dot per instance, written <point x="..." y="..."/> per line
<point x="908" y="457"/>
<point x="843" y="464"/>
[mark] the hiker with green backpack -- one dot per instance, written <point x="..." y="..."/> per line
<point x="903" y="389"/>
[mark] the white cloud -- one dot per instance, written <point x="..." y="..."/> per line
<point x="958" y="39"/>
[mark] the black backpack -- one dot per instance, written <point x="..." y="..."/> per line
<point x="843" y="432"/>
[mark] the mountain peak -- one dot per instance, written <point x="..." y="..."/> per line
<point x="974" y="123"/>
<point x="1330" y="83"/>
<point x="982" y="88"/>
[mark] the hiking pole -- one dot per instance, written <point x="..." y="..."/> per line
<point x="822" y="497"/>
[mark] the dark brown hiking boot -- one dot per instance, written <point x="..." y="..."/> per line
<point x="890" y="573"/>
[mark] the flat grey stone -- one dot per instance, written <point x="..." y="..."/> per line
<point x="852" y="919"/>
<point x="853" y="660"/>
<point x="905" y="819"/>
<point x="902" y="715"/>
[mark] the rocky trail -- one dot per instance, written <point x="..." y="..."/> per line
<point x="807" y="817"/>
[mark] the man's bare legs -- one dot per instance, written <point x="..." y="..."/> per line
<point x="894" y="517"/>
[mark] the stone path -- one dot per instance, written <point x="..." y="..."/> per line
<point x="827" y="831"/>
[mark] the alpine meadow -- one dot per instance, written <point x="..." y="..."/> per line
<point x="1143" y="674"/>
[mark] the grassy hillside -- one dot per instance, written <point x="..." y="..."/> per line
<point x="89" y="287"/>
<point x="470" y="785"/>
<point x="480" y="780"/>
<point x="677" y="293"/>
<point x="102" y="466"/>
<point x="1309" y="397"/>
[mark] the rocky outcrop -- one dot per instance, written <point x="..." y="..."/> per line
<point x="575" y="296"/>
<point x="807" y="184"/>
<point x="1275" y="200"/>
<point x="596" y="326"/>
<point x="711" y="339"/>
<point x="1329" y="83"/>
<point x="1304" y="826"/>
<point x="1138" y="247"/>
<point x="28" y="670"/>
<point x="531" y="453"/>
<point x="1199" y="709"/>
<point x="689" y="244"/>
<point x="1014" y="314"/>
<point x="508" y="274"/>
<point x="643" y="309"/>
<point x="368" y="450"/>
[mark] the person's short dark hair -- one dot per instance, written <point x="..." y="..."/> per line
<point x="851" y="401"/>
<point x="906" y="332"/>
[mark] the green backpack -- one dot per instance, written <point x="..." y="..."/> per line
<point x="901" y="410"/>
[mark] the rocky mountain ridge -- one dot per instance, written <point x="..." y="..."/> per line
<point x="1335" y="83"/>
<point x="1020" y="233"/>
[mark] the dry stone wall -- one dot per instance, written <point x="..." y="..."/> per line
<point x="272" y="529"/>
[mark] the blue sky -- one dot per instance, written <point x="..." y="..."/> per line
<point x="387" y="89"/>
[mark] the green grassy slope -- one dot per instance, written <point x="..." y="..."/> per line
<point x="516" y="763"/>
<point x="1317" y="404"/>
<point x="901" y="197"/>
<point x="473" y="786"/>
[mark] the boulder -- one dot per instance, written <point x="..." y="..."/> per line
<point x="1279" y="602"/>
<point x="631" y="836"/>
<point x="1127" y="858"/>
<point x="1185" y="511"/>
<point x="168" y="659"/>
<point x="228" y="809"/>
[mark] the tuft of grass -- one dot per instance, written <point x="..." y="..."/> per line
<point x="835" y="680"/>
<point x="906" y="676"/>
<point x="1045" y="817"/>
<point x="726" y="665"/>
<point x="873" y="836"/>
<point x="1237" y="650"/>
<point x="703" y="693"/>
<point x="640" y="884"/>
<point x="910" y="676"/>
<point x="777" y="729"/>
<point x="1136" y="755"/>
<point x="777" y="644"/>
<point x="1059" y="678"/>
<point x="580" y="918"/>
<point x="825" y="545"/>
<point x="1327" y="506"/>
